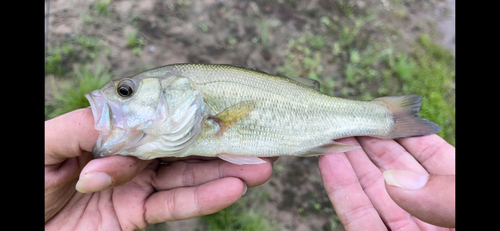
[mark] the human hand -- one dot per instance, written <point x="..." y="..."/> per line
<point x="417" y="199"/>
<point x="148" y="192"/>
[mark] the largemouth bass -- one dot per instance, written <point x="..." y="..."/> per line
<point x="238" y="115"/>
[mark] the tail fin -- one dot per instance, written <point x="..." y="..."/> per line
<point x="406" y="121"/>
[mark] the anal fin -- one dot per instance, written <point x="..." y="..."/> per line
<point x="241" y="159"/>
<point x="332" y="147"/>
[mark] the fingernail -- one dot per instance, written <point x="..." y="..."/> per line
<point x="93" y="182"/>
<point x="244" y="189"/>
<point x="405" y="179"/>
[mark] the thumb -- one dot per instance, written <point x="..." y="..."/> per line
<point x="109" y="172"/>
<point x="430" y="198"/>
<point x="69" y="135"/>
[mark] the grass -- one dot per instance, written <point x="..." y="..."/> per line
<point x="377" y="68"/>
<point x="90" y="46"/>
<point x="102" y="7"/>
<point x="237" y="217"/>
<point x="363" y="65"/>
<point x="55" y="58"/>
<point x="374" y="71"/>
<point x="303" y="58"/>
<point x="429" y="72"/>
<point x="75" y="50"/>
<point x="73" y="97"/>
<point x="135" y="42"/>
<point x="240" y="216"/>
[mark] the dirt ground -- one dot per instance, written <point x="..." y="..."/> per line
<point x="253" y="34"/>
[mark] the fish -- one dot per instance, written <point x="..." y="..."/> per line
<point x="239" y="114"/>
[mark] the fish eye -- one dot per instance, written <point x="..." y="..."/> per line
<point x="125" y="88"/>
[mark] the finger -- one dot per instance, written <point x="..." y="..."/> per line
<point x="388" y="154"/>
<point x="188" y="202"/>
<point x="185" y="173"/>
<point x="109" y="172"/>
<point x="372" y="182"/>
<point x="433" y="152"/>
<point x="69" y="135"/>
<point x="351" y="204"/>
<point x="430" y="198"/>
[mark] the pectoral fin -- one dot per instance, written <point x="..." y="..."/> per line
<point x="239" y="160"/>
<point x="233" y="114"/>
<point x="332" y="147"/>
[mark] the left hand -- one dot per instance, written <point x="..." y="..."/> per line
<point x="418" y="192"/>
<point x="148" y="192"/>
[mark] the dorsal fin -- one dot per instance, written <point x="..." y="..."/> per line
<point x="314" y="84"/>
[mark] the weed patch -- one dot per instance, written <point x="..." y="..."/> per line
<point x="73" y="97"/>
<point x="135" y="42"/>
<point x="57" y="59"/>
<point x="429" y="72"/>
<point x="77" y="49"/>
<point x="102" y="7"/>
<point x="240" y="216"/>
<point x="303" y="58"/>
<point x="376" y="69"/>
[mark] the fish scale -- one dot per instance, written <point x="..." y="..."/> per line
<point x="299" y="122"/>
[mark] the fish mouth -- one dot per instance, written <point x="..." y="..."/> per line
<point x="109" y="120"/>
<point x="100" y="110"/>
